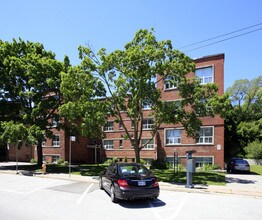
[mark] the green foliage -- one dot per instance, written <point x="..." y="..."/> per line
<point x="209" y="167"/>
<point x="254" y="150"/>
<point x="30" y="80"/>
<point x="142" y="161"/>
<point x="60" y="161"/>
<point x="180" y="167"/>
<point x="15" y="133"/>
<point x="111" y="160"/>
<point x="256" y="169"/>
<point x="130" y="76"/>
<point x="33" y="161"/>
<point x="158" y="164"/>
<point x="243" y="121"/>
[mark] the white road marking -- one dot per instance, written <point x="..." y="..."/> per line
<point x="27" y="193"/>
<point x="84" y="194"/>
<point x="181" y="205"/>
<point x="177" y="210"/>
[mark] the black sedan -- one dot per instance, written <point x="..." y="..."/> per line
<point x="128" y="181"/>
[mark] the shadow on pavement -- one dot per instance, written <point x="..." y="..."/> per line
<point x="142" y="204"/>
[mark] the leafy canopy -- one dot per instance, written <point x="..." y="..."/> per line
<point x="130" y="77"/>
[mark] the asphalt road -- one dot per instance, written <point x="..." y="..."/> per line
<point x="32" y="197"/>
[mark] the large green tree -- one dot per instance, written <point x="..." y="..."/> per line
<point x="129" y="76"/>
<point x="243" y="120"/>
<point x="30" y="80"/>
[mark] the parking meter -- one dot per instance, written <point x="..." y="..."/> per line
<point x="191" y="168"/>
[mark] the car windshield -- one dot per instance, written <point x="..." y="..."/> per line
<point x="241" y="162"/>
<point x="129" y="169"/>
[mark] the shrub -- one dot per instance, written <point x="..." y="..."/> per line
<point x="208" y="167"/>
<point x="33" y="160"/>
<point x="180" y="167"/>
<point x="60" y="161"/>
<point x="111" y="160"/>
<point x="254" y="150"/>
<point x="158" y="164"/>
<point x="108" y="161"/>
<point x="142" y="161"/>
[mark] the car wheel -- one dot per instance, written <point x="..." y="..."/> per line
<point x="101" y="184"/>
<point x="112" y="194"/>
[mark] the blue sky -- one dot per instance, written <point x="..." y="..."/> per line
<point x="63" y="25"/>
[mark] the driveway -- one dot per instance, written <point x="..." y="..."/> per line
<point x="248" y="182"/>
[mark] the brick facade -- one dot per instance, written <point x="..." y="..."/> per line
<point x="211" y="152"/>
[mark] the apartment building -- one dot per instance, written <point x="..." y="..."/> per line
<point x="171" y="140"/>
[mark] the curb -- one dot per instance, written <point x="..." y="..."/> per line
<point x="165" y="186"/>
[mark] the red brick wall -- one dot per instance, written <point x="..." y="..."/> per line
<point x="25" y="153"/>
<point x="162" y="151"/>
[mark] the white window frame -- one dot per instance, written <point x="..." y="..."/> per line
<point x="169" y="85"/>
<point x="206" y="139"/>
<point x="109" y="128"/>
<point x="56" y="143"/>
<point x="176" y="140"/>
<point x="108" y="146"/>
<point x="146" y="124"/>
<point x="146" y="106"/>
<point x="43" y="143"/>
<point x="54" y="122"/>
<point x="121" y="143"/>
<point x="120" y="125"/>
<point x="205" y="79"/>
<point x="148" y="146"/>
<point x="55" y="158"/>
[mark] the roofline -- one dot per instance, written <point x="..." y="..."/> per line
<point x="210" y="57"/>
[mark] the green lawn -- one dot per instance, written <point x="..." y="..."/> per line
<point x="256" y="169"/>
<point x="206" y="178"/>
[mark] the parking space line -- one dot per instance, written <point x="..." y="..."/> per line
<point x="84" y="194"/>
<point x="181" y="205"/>
<point x="12" y="191"/>
<point x="175" y="210"/>
<point x="27" y="193"/>
<point x="42" y="187"/>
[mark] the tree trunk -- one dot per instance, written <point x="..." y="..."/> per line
<point x="39" y="153"/>
<point x="137" y="154"/>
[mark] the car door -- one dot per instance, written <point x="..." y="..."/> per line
<point x="108" y="177"/>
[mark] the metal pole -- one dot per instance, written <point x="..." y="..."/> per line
<point x="70" y="158"/>
<point x="16" y="155"/>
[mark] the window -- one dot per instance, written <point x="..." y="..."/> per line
<point x="120" y="143"/>
<point x="146" y="105"/>
<point x="172" y="136"/>
<point x="56" y="140"/>
<point x="108" y="144"/>
<point x="109" y="126"/>
<point x="170" y="83"/>
<point x="44" y="144"/>
<point x="173" y="162"/>
<point x="205" y="74"/>
<point x="120" y="125"/>
<point x="200" y="161"/>
<point x="149" y="145"/>
<point x="206" y="135"/>
<point x="204" y="110"/>
<point x="148" y="123"/>
<point x="55" y="122"/>
<point x="55" y="158"/>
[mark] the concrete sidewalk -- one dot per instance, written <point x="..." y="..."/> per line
<point x="237" y="184"/>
